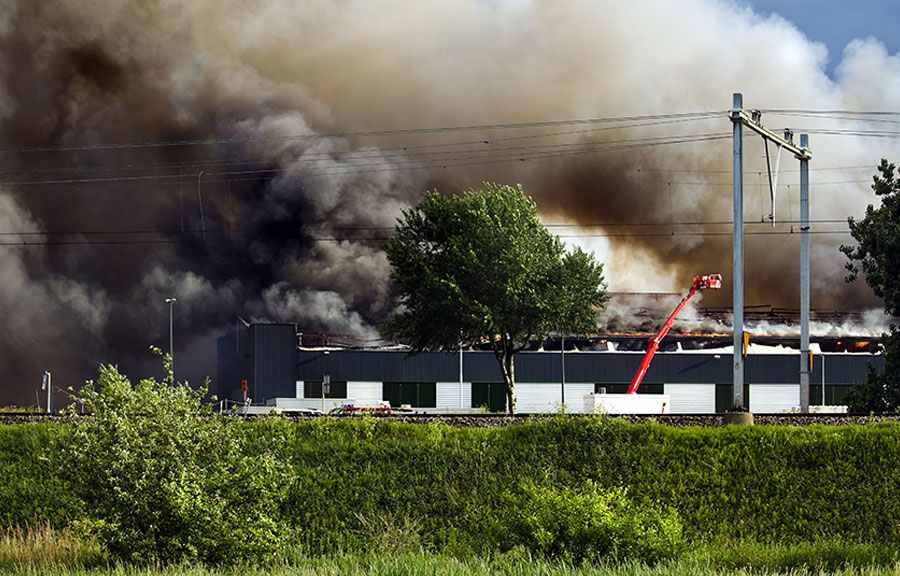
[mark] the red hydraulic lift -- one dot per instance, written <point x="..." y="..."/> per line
<point x="700" y="282"/>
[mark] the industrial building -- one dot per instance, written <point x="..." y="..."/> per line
<point x="270" y="365"/>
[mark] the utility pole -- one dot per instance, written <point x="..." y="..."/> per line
<point x="737" y="259"/>
<point x="562" y="359"/>
<point x="804" y="277"/>
<point x="171" y="303"/>
<point x="326" y="378"/>
<point x="752" y="119"/>
<point x="460" y="372"/>
<point x="47" y="383"/>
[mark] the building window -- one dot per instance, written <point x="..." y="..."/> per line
<point x="313" y="389"/>
<point x="415" y="394"/>
<point x="489" y="395"/>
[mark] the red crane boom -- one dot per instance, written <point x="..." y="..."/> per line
<point x="700" y="282"/>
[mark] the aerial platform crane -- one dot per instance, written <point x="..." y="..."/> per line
<point x="700" y="282"/>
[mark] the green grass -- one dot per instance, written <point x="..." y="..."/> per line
<point x="45" y="548"/>
<point x="416" y="564"/>
<point x="45" y="551"/>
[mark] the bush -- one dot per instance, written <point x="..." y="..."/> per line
<point x="31" y="491"/>
<point x="218" y="488"/>
<point x="591" y="523"/>
<point x="164" y="480"/>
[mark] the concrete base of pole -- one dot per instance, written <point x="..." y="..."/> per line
<point x="739" y="418"/>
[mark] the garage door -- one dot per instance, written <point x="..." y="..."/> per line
<point x="774" y="398"/>
<point x="691" y="398"/>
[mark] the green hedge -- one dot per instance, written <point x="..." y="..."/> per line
<point x="31" y="491"/>
<point x="449" y="488"/>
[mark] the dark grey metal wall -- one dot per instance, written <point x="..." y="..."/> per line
<point x="263" y="354"/>
<point x="595" y="367"/>
<point x="267" y="355"/>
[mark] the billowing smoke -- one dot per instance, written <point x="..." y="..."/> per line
<point x="212" y="150"/>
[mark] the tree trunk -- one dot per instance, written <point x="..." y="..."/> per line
<point x="506" y="358"/>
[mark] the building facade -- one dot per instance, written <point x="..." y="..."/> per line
<point x="278" y="372"/>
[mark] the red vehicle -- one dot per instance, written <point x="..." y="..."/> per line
<point x="704" y="282"/>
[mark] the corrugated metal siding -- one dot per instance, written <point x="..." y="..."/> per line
<point x="452" y="396"/>
<point x="533" y="397"/>
<point x="575" y="394"/>
<point x="365" y="393"/>
<point x="534" y="367"/>
<point x="774" y="398"/>
<point x="691" y="398"/>
<point x="234" y="362"/>
<point x="609" y="369"/>
<point x="546" y="396"/>
<point x="275" y="358"/>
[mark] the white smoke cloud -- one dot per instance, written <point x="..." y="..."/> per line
<point x="317" y="310"/>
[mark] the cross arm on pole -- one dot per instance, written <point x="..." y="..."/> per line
<point x="747" y="119"/>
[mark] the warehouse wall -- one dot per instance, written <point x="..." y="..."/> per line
<point x="263" y="354"/>
<point x="607" y="368"/>
<point x="267" y="356"/>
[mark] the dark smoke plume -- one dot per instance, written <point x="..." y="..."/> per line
<point x="155" y="148"/>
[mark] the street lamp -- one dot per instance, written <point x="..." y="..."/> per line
<point x="171" y="303"/>
<point x="326" y="378"/>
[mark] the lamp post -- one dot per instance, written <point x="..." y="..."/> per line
<point x="171" y="303"/>
<point x="47" y="383"/>
<point x="326" y="378"/>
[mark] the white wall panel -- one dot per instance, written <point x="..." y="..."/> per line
<point x="773" y="398"/>
<point x="628" y="403"/>
<point x="451" y="397"/>
<point x="691" y="398"/>
<point x="364" y="393"/>
<point x="298" y="391"/>
<point x="534" y="398"/>
<point x="306" y="403"/>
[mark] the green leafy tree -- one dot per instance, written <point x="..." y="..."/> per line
<point x="479" y="267"/>
<point x="877" y="256"/>
<point x="165" y="480"/>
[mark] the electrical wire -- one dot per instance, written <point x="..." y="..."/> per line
<point x="365" y="133"/>
<point x="370" y="238"/>
<point x="828" y="112"/>
<point x="594" y="224"/>
<point x="838" y="117"/>
<point x="400" y="150"/>
<point x="440" y="163"/>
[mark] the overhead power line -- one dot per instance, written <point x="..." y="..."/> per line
<point x="407" y="149"/>
<point x="172" y="239"/>
<point x="856" y="133"/>
<point x="367" y="133"/>
<point x="863" y="119"/>
<point x="785" y="111"/>
<point x="26" y="243"/>
<point x="431" y="164"/>
<point x="583" y="225"/>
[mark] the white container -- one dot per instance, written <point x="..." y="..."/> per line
<point x="627" y="403"/>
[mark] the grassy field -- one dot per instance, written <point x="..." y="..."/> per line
<point x="49" y="552"/>
<point x="415" y="564"/>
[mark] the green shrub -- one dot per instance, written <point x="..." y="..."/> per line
<point x="164" y="480"/>
<point x="590" y="523"/>
<point x="357" y="484"/>
<point x="31" y="491"/>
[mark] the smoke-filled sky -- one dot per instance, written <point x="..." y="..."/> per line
<point x="233" y="154"/>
